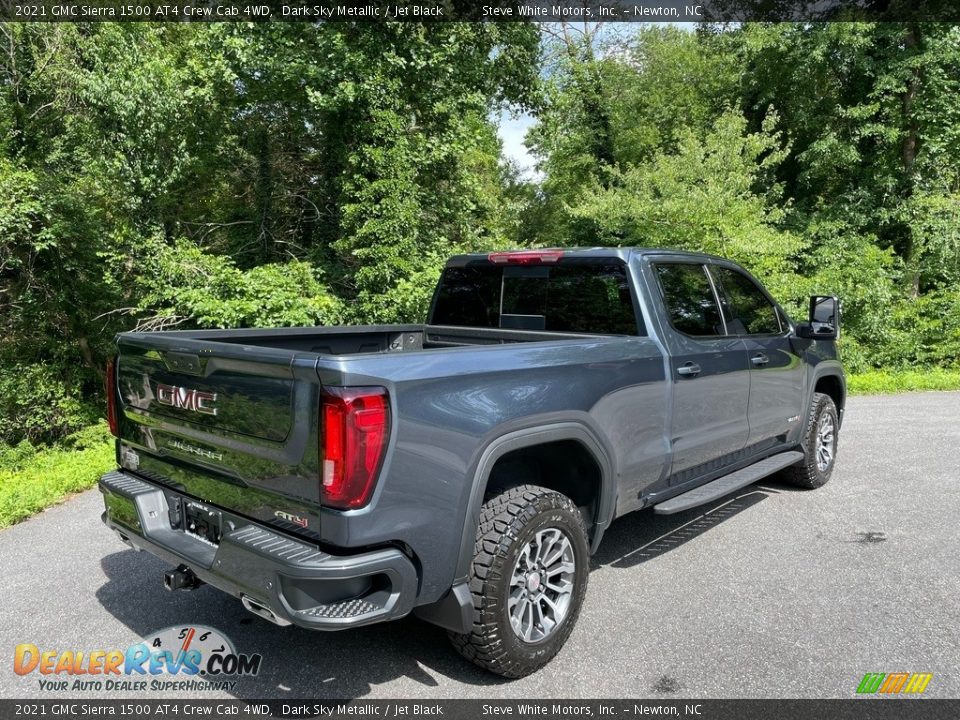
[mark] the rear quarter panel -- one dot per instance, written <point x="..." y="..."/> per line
<point x="449" y="405"/>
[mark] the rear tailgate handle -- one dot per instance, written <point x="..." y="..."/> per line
<point x="181" y="362"/>
<point x="759" y="359"/>
<point x="690" y="369"/>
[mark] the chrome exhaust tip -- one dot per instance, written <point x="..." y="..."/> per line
<point x="262" y="610"/>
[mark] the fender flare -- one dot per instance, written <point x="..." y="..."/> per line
<point x="528" y="437"/>
<point x="829" y="368"/>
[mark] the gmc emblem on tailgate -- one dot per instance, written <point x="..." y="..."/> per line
<point x="187" y="399"/>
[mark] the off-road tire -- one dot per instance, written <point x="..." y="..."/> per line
<point x="808" y="473"/>
<point x="508" y="522"/>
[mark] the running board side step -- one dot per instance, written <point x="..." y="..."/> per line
<point x="727" y="484"/>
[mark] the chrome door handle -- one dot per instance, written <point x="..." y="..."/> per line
<point x="690" y="369"/>
<point x="759" y="359"/>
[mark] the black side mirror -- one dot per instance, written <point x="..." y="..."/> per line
<point x="824" y="322"/>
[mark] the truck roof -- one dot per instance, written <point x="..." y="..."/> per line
<point x="620" y="253"/>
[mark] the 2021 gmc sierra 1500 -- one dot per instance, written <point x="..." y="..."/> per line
<point x="465" y="469"/>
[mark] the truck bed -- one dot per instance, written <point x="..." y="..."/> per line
<point x="261" y="426"/>
<point x="258" y="456"/>
<point x="363" y="339"/>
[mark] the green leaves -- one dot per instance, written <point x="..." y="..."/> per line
<point x="418" y="175"/>
<point x="34" y="478"/>
<point x="39" y="404"/>
<point x="822" y="156"/>
<point x="702" y="197"/>
<point x="242" y="174"/>
<point x="187" y="285"/>
<point x="237" y="175"/>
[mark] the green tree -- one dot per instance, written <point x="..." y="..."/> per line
<point x="870" y="109"/>
<point x="240" y="174"/>
<point x="703" y="197"/>
<point x="612" y="102"/>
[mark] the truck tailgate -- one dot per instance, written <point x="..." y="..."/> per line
<point x="218" y="422"/>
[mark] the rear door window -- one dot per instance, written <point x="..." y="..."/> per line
<point x="469" y="297"/>
<point x="689" y="299"/>
<point x="574" y="297"/>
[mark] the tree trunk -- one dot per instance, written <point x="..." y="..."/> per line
<point x="908" y="156"/>
<point x="589" y="81"/>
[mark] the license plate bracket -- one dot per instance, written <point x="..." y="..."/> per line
<point x="202" y="522"/>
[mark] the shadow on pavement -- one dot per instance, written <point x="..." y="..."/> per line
<point x="301" y="663"/>
<point x="297" y="663"/>
<point x="641" y="536"/>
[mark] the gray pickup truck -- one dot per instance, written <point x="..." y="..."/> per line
<point x="465" y="469"/>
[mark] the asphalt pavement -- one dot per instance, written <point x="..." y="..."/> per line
<point x="773" y="592"/>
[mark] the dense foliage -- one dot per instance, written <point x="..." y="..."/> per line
<point x="296" y="174"/>
<point x="825" y="157"/>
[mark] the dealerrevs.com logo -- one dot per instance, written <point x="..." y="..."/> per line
<point x="188" y="658"/>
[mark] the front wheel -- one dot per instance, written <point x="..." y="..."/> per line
<point x="528" y="579"/>
<point x="819" y="445"/>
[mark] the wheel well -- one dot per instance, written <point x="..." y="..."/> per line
<point x="830" y="385"/>
<point x="565" y="466"/>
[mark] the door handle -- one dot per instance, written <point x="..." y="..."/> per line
<point x="690" y="369"/>
<point x="759" y="359"/>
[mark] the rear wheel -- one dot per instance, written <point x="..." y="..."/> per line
<point x="819" y="445"/>
<point x="528" y="579"/>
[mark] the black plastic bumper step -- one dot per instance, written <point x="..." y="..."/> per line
<point x="343" y="609"/>
<point x="727" y="484"/>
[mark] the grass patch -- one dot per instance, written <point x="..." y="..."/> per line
<point x="883" y="382"/>
<point x="32" y="479"/>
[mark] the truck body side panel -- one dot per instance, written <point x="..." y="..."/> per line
<point x="450" y="405"/>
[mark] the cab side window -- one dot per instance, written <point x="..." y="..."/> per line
<point x="689" y="299"/>
<point x="746" y="309"/>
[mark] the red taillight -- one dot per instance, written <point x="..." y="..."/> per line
<point x="355" y="424"/>
<point x="111" y="388"/>
<point x="525" y="257"/>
